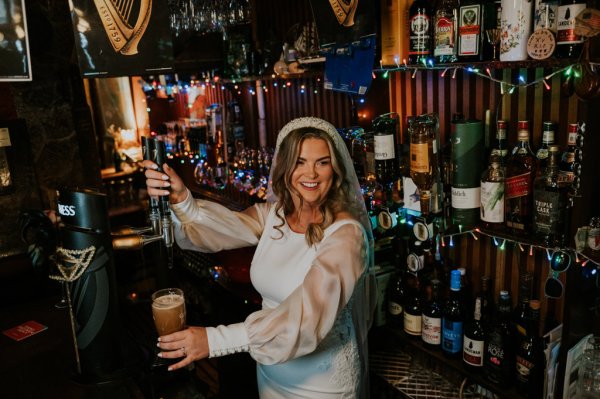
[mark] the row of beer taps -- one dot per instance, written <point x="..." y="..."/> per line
<point x="159" y="212"/>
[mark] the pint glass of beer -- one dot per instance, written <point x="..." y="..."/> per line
<point x="168" y="310"/>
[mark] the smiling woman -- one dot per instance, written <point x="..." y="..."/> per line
<point x="312" y="267"/>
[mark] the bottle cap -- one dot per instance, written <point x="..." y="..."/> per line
<point x="455" y="280"/>
<point x="523" y="125"/>
<point x="485" y="282"/>
<point x="573" y="127"/>
<point x="554" y="148"/>
<point x="534" y="304"/>
<point x="548" y="126"/>
<point x="501" y="124"/>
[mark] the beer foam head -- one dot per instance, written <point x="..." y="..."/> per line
<point x="167" y="301"/>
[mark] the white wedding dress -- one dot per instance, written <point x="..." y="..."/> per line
<point x="309" y="339"/>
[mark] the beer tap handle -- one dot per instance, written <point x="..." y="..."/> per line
<point x="160" y="152"/>
<point x="153" y="212"/>
<point x="133" y="241"/>
<point x="127" y="230"/>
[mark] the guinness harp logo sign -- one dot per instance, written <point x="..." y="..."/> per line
<point x="125" y="22"/>
<point x="344" y="11"/>
<point x="122" y="37"/>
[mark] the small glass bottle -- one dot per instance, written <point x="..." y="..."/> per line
<point x="492" y="195"/>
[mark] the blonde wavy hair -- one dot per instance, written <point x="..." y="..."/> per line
<point x="338" y="198"/>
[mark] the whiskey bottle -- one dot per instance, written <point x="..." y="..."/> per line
<point x="453" y="318"/>
<point x="520" y="172"/>
<point x="567" y="160"/>
<point x="547" y="140"/>
<point x="568" y="44"/>
<point x="498" y="357"/>
<point x="419" y="31"/>
<point x="530" y="358"/>
<point x="432" y="317"/>
<point x="550" y="203"/>
<point x="423" y="160"/>
<point x="492" y="194"/>
<point x="473" y="344"/>
<point x="500" y="145"/>
<point x="445" y="26"/>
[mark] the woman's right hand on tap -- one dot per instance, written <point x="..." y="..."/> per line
<point x="167" y="183"/>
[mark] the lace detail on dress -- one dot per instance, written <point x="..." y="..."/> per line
<point x="344" y="358"/>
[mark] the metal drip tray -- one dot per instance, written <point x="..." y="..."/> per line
<point x="414" y="381"/>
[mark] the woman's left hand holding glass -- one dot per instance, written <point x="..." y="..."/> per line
<point x="191" y="344"/>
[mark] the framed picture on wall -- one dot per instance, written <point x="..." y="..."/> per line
<point x="15" y="64"/>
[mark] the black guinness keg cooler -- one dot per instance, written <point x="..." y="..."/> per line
<point x="86" y="250"/>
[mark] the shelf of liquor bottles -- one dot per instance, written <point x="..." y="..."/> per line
<point x="451" y="368"/>
<point x="482" y="65"/>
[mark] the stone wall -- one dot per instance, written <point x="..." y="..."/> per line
<point x="57" y="147"/>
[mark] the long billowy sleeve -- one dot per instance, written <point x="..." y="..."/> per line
<point x="210" y="227"/>
<point x="303" y="319"/>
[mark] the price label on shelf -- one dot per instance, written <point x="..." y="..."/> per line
<point x="4" y="137"/>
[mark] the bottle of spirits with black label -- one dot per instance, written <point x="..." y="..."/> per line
<point x="419" y="31"/>
<point x="396" y="297"/>
<point x="520" y="172"/>
<point x="520" y="313"/>
<point x="550" y="203"/>
<point x="498" y="358"/>
<point x="530" y="358"/>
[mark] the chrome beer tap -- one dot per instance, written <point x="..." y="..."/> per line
<point x="153" y="214"/>
<point x="160" y="158"/>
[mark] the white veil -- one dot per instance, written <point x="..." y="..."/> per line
<point x="366" y="292"/>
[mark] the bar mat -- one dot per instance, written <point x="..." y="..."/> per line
<point x="414" y="381"/>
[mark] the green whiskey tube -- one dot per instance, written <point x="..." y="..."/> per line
<point x="467" y="166"/>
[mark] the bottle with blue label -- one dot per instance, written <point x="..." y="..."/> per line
<point x="453" y="318"/>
